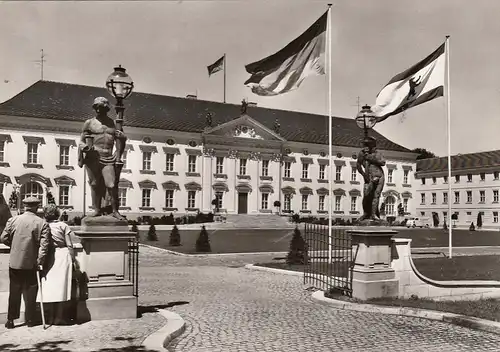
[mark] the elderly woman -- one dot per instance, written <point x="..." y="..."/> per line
<point x="56" y="285"/>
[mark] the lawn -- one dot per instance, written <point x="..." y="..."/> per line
<point x="439" y="237"/>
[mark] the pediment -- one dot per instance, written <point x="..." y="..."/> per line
<point x="246" y="128"/>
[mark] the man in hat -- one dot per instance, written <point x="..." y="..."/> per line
<point x="372" y="161"/>
<point x="28" y="237"/>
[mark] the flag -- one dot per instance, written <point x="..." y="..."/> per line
<point x="216" y="66"/>
<point x="285" y="70"/>
<point x="418" y="84"/>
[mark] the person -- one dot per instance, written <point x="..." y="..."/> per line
<point x="373" y="174"/>
<point x="56" y="285"/>
<point x="5" y="213"/>
<point x="28" y="237"/>
<point x="102" y="164"/>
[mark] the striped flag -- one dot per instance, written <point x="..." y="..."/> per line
<point x="216" y="66"/>
<point x="418" y="84"/>
<point x="285" y="70"/>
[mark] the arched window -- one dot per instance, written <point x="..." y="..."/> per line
<point x="390" y="206"/>
<point x="32" y="189"/>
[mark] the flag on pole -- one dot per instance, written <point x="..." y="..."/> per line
<point x="285" y="70"/>
<point x="418" y="84"/>
<point x="216" y="66"/>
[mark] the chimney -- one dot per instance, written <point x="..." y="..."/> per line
<point x="191" y="96"/>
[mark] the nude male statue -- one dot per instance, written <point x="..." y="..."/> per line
<point x="103" y="166"/>
<point x="372" y="161"/>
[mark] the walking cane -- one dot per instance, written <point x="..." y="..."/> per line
<point x="41" y="297"/>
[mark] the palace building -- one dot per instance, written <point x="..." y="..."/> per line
<point x="182" y="153"/>
<point x="475" y="185"/>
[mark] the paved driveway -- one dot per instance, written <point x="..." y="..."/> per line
<point x="234" y="309"/>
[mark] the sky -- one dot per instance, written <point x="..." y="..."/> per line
<point x="166" y="47"/>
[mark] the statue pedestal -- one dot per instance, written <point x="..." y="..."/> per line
<point x="105" y="263"/>
<point x="373" y="276"/>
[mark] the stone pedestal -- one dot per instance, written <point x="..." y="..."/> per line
<point x="104" y="260"/>
<point x="373" y="276"/>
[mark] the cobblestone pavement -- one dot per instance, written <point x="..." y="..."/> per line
<point x="234" y="309"/>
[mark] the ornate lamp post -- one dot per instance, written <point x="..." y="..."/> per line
<point x="366" y="119"/>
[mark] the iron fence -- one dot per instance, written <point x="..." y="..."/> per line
<point x="133" y="264"/>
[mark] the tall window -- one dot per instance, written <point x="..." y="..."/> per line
<point x="353" y="203"/>
<point x="304" y="201"/>
<point x="390" y="172"/>
<point x="337" y="202"/>
<point x="433" y="198"/>
<point x="457" y="178"/>
<point x="482" y="176"/>
<point x="124" y="158"/>
<point x="192" y="163"/>
<point x="218" y="197"/>
<point x="390" y="206"/>
<point x="146" y="197"/>
<point x="32" y="153"/>
<point x="287" y="202"/>
<point x="219" y="165"/>
<point x="243" y="166"/>
<point x="322" y="168"/>
<point x="64" y="155"/>
<point x="495" y="196"/>
<point x="146" y="161"/>
<point x="321" y="204"/>
<point x="191" y="199"/>
<point x="423" y="180"/>
<point x="169" y="163"/>
<point x="354" y="173"/>
<point x="288" y="167"/>
<point x="405" y="176"/>
<point x="63" y="195"/>
<point x="32" y="189"/>
<point x="445" y="197"/>
<point x="457" y="197"/>
<point x="2" y="151"/>
<point x="305" y="170"/>
<point x="422" y="198"/>
<point x="169" y="198"/>
<point x="405" y="204"/>
<point x="338" y="173"/>
<point x="482" y="196"/>
<point x="265" y="167"/>
<point x="265" y="201"/>
<point x="495" y="217"/>
<point x="469" y="196"/>
<point x="122" y="197"/>
<point x="469" y="177"/>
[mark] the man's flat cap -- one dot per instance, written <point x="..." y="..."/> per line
<point x="31" y="200"/>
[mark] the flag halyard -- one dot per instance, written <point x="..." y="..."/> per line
<point x="216" y="66"/>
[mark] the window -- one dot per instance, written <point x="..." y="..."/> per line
<point x="337" y="203"/>
<point x="469" y="177"/>
<point x="32" y="189"/>
<point x="433" y="195"/>
<point x="469" y="196"/>
<point x="482" y="176"/>
<point x="322" y="168"/>
<point x="169" y="198"/>
<point x="422" y="198"/>
<point x="192" y="163"/>
<point x="2" y="151"/>
<point x="287" y="203"/>
<point x="434" y="180"/>
<point x="288" y="166"/>
<point x="495" y="175"/>
<point x="390" y="206"/>
<point x="338" y="173"/>
<point x="423" y="180"/>
<point x="265" y="167"/>
<point x="353" y="203"/>
<point x="389" y="175"/>
<point x="495" y="196"/>
<point x="169" y="163"/>
<point x="124" y="159"/>
<point x="354" y="173"/>
<point x="405" y="176"/>
<point x="445" y="179"/>
<point x="305" y="170"/>
<point x="146" y="197"/>
<point x="32" y="153"/>
<point x="457" y="197"/>
<point x="265" y="201"/>
<point x="482" y="196"/>
<point x="191" y="199"/>
<point x="63" y="195"/>
<point x="445" y="197"/>
<point x="122" y="197"/>
<point x="146" y="162"/>
<point x="64" y="155"/>
<point x="219" y="165"/>
<point x="457" y="178"/>
<point x="243" y="167"/>
<point x="218" y="197"/>
<point x="495" y="217"/>
<point x="304" y="201"/>
<point x="321" y="203"/>
<point x="405" y="205"/>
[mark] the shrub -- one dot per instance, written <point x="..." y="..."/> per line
<point x="175" y="237"/>
<point x="298" y="249"/>
<point x="152" y="236"/>
<point x="296" y="218"/>
<point x="401" y="209"/>
<point x="479" y="220"/>
<point x="134" y="228"/>
<point x="77" y="220"/>
<point x="472" y="227"/>
<point x="170" y="219"/>
<point x="203" y="243"/>
<point x="445" y="226"/>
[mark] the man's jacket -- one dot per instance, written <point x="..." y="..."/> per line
<point x="28" y="237"/>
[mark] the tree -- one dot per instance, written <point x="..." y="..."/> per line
<point x="298" y="253"/>
<point x="435" y="219"/>
<point x="175" y="237"/>
<point x="13" y="200"/>
<point x="423" y="153"/>
<point x="472" y="227"/>
<point x="479" y="220"/>
<point x="50" y="197"/>
<point x="401" y="209"/>
<point x="152" y="236"/>
<point x="203" y="242"/>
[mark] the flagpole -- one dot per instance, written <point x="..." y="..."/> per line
<point x="448" y="115"/>
<point x="330" y="127"/>
<point x="224" y="77"/>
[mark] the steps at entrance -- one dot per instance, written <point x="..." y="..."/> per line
<point x="268" y="221"/>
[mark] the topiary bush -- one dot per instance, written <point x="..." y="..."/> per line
<point x="479" y="220"/>
<point x="203" y="242"/>
<point x="152" y="236"/>
<point x="472" y="227"/>
<point x="134" y="228"/>
<point x="175" y="237"/>
<point x="298" y="253"/>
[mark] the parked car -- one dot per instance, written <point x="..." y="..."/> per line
<point x="418" y="222"/>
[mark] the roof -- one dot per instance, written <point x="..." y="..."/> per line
<point x="64" y="101"/>
<point x="463" y="162"/>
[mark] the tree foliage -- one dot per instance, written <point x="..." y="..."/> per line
<point x="423" y="153"/>
<point x="175" y="237"/>
<point x="298" y="253"/>
<point x="203" y="242"/>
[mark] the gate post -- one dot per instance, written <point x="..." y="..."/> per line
<point x="373" y="276"/>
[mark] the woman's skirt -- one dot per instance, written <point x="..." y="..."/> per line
<point x="56" y="285"/>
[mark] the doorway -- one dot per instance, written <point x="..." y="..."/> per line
<point x="242" y="203"/>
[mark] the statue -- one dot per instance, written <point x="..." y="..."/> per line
<point x="103" y="166"/>
<point x="369" y="165"/>
<point x="244" y="107"/>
